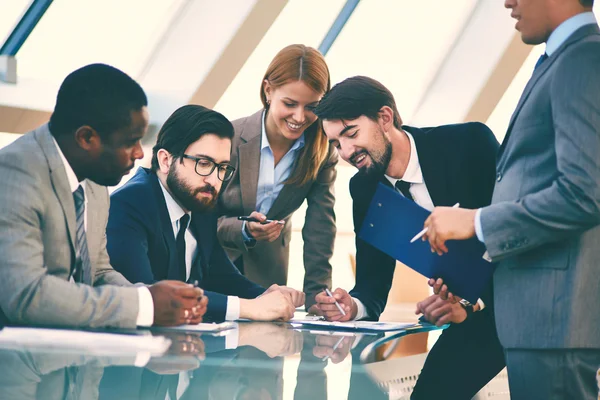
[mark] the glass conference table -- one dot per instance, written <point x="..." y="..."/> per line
<point x="255" y="361"/>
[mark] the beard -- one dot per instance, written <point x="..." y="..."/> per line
<point x="187" y="196"/>
<point x="380" y="159"/>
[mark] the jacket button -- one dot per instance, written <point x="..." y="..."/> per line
<point x="499" y="177"/>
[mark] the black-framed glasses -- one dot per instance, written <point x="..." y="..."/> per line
<point x="206" y="166"/>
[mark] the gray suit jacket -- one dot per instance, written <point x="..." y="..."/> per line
<point x="37" y="225"/>
<point x="543" y="225"/>
<point x="267" y="263"/>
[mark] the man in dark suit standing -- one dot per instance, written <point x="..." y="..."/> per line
<point x="543" y="226"/>
<point x="162" y="223"/>
<point x="431" y="166"/>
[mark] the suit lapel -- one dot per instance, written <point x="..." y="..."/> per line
<point x="286" y="196"/>
<point x="60" y="182"/>
<point x="434" y="173"/>
<point x="539" y="72"/>
<point x="165" y="226"/>
<point x="249" y="165"/>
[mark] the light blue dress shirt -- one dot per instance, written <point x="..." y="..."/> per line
<point x="271" y="176"/>
<point x="556" y="39"/>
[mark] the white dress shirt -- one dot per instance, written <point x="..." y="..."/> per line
<point x="191" y="248"/>
<point x="146" y="305"/>
<point x="420" y="194"/>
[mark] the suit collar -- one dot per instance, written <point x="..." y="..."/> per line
<point x="59" y="178"/>
<point x="252" y="126"/>
<point x="432" y="167"/>
<point x="566" y="29"/>
<point x="541" y="70"/>
<point x="249" y="160"/>
<point x="173" y="208"/>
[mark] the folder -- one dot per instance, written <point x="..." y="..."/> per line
<point x="392" y="221"/>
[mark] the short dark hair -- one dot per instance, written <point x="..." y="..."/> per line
<point x="587" y="3"/>
<point x="355" y="97"/>
<point x="99" y="96"/>
<point x="185" y="126"/>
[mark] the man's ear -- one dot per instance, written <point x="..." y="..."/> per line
<point x="88" y="139"/>
<point x="386" y="116"/>
<point x="164" y="160"/>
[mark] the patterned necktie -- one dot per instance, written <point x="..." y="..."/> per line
<point x="540" y="60"/>
<point x="404" y="187"/>
<point x="180" y="242"/>
<point x="83" y="269"/>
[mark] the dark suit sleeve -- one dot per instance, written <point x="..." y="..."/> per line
<point x="374" y="269"/>
<point x="224" y="279"/>
<point x="127" y="240"/>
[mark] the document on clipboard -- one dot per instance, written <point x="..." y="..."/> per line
<point x="392" y="221"/>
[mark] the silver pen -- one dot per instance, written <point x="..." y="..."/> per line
<point x="336" y="303"/>
<point x="424" y="231"/>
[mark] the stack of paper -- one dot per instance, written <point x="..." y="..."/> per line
<point x="355" y="325"/>
<point x="88" y="342"/>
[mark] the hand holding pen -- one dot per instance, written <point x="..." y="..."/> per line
<point x="336" y="306"/>
<point x="261" y="228"/>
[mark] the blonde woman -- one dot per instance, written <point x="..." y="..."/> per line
<point x="282" y="158"/>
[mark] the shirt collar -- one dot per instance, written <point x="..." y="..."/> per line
<point x="264" y="142"/>
<point x="413" y="172"/>
<point x="566" y="29"/>
<point x="175" y="210"/>
<point x="73" y="181"/>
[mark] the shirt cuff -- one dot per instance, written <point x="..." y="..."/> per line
<point x="361" y="312"/>
<point x="478" y="228"/>
<point x="481" y="304"/>
<point x="233" y="308"/>
<point x="146" y="307"/>
<point x="232" y="339"/>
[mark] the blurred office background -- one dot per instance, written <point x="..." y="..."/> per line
<point x="445" y="62"/>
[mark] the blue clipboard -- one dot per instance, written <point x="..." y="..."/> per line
<point x="392" y="221"/>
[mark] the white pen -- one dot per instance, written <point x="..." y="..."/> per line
<point x="336" y="303"/>
<point x="420" y="234"/>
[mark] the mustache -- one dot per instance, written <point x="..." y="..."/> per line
<point x="206" y="189"/>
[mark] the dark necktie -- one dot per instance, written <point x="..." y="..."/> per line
<point x="83" y="269"/>
<point x="540" y="60"/>
<point x="404" y="187"/>
<point x="183" y="225"/>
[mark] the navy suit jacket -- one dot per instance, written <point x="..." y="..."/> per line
<point x="141" y="245"/>
<point x="458" y="163"/>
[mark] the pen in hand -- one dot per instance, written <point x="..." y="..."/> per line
<point x="424" y="231"/>
<point x="252" y="219"/>
<point x="336" y="302"/>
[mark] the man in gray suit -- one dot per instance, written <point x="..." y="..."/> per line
<point x="54" y="268"/>
<point x="543" y="227"/>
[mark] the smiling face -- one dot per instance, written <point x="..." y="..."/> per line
<point x="361" y="142"/>
<point x="290" y="108"/>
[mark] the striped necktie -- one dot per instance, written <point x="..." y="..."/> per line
<point x="83" y="269"/>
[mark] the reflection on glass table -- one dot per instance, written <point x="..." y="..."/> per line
<point x="246" y="363"/>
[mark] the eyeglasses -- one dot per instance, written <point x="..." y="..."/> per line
<point x="206" y="166"/>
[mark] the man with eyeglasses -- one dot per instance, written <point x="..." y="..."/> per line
<point x="162" y="223"/>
